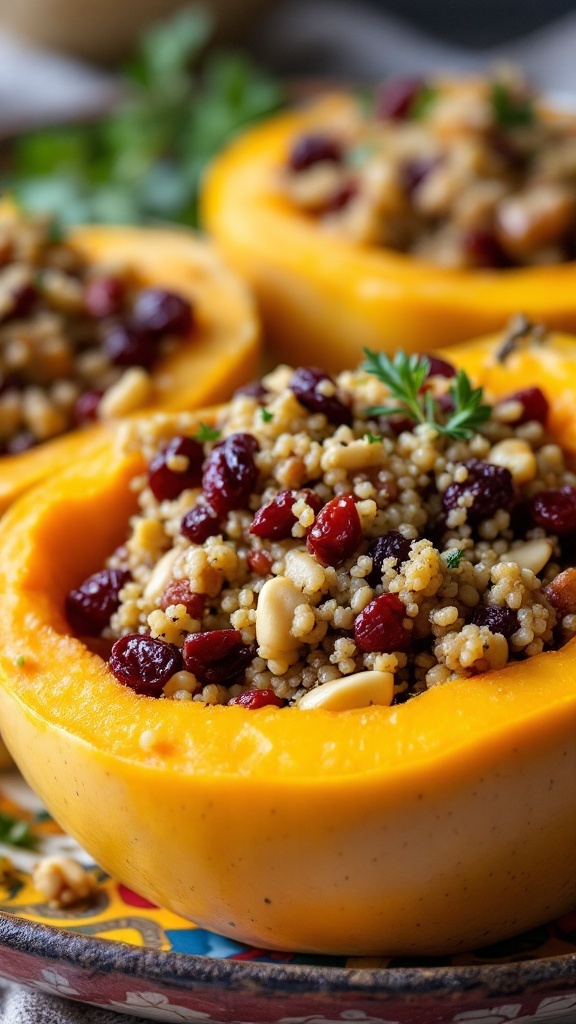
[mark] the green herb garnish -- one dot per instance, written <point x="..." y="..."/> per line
<point x="266" y="416"/>
<point x="20" y="660"/>
<point x="423" y="102"/>
<point x="404" y="376"/>
<point x="15" y="832"/>
<point x="143" y="162"/>
<point x="372" y="438"/>
<point x="510" y="109"/>
<point x="454" y="557"/>
<point x="207" y="433"/>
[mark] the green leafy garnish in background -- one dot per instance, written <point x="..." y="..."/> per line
<point x="454" y="557"/>
<point x="143" y="162"/>
<point x="15" y="832"/>
<point x="511" y="110"/>
<point x="207" y="433"/>
<point x="404" y="377"/>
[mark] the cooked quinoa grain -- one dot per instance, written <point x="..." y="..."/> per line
<point x="416" y="554"/>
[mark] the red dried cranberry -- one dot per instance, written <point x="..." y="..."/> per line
<point x="336" y="532"/>
<point x="255" y="389"/>
<point x="396" y="98"/>
<point x="219" y="656"/>
<point x="104" y="296"/>
<point x="380" y="627"/>
<point x="162" y="312"/>
<point x="89" y="606"/>
<point x="254" y="699"/>
<point x="535" y="405"/>
<point x="259" y="562"/>
<point x="555" y="510"/>
<point x="21" y="442"/>
<point x="275" y="520"/>
<point x="414" y="172"/>
<point x="483" y="249"/>
<point x="144" y="663"/>
<point x="390" y="545"/>
<point x="498" y="620"/>
<point x="127" y="345"/>
<point x="397" y="424"/>
<point x="339" y="198"/>
<point x="166" y="483"/>
<point x="230" y="473"/>
<point x="314" y="149"/>
<point x="491" y="487"/>
<point x="304" y="384"/>
<point x="440" y="367"/>
<point x="199" y="523"/>
<point x="86" y="407"/>
<point x="178" y="592"/>
<point x="23" y="298"/>
<point x="446" y="403"/>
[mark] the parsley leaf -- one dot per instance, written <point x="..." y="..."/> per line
<point x="372" y="438"/>
<point x="207" y="433"/>
<point x="16" y="832"/>
<point x="266" y="415"/>
<point x="511" y="110"/>
<point x="454" y="557"/>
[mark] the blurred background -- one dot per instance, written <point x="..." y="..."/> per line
<point x="152" y="89"/>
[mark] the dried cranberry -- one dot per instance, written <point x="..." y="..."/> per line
<point x="86" y="407"/>
<point x="230" y="473"/>
<point x="127" y="345"/>
<point x="167" y="483"/>
<point x="89" y="606"/>
<point x="178" y="592"/>
<point x="144" y="663"/>
<point x="483" y="249"/>
<point x="555" y="510"/>
<point x="21" y="442"/>
<point x="535" y="405"/>
<point x="104" y="296"/>
<point x="255" y="389"/>
<point x="339" y="199"/>
<point x="336" y="532"/>
<point x="440" y="367"/>
<point x="162" y="312"/>
<point x="498" y="620"/>
<point x="414" y="172"/>
<point x="254" y="699"/>
<point x="304" y="384"/>
<point x="275" y="520"/>
<point x="259" y="562"/>
<point x="446" y="403"/>
<point x="23" y="298"/>
<point x="380" y="627"/>
<point x="199" y="523"/>
<point x="314" y="149"/>
<point x="397" y="424"/>
<point x="219" y="656"/>
<point x="396" y="98"/>
<point x="390" y="545"/>
<point x="491" y="488"/>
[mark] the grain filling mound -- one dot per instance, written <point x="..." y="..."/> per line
<point x="340" y="542"/>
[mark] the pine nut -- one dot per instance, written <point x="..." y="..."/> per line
<point x="516" y="456"/>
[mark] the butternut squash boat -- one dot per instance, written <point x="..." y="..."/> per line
<point x="311" y="682"/>
<point x="429" y="219"/>
<point x="102" y="324"/>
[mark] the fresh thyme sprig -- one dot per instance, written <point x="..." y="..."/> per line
<point x="404" y="377"/>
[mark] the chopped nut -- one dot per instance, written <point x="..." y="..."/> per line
<point x="62" y="881"/>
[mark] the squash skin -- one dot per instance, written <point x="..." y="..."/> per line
<point x="436" y="834"/>
<point x="328" y="295"/>
<point x="222" y="354"/>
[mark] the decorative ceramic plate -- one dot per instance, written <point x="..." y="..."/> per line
<point x="121" y="952"/>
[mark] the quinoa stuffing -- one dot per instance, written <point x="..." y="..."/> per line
<point x="458" y="172"/>
<point x="78" y="340"/>
<point x="383" y="532"/>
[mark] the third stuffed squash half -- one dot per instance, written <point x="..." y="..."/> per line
<point x="305" y="673"/>
<point x="427" y="219"/>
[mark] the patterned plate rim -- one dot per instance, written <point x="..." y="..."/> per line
<point x="184" y="970"/>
